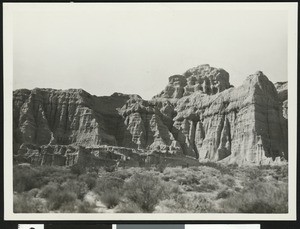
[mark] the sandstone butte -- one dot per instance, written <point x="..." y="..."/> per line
<point x="198" y="117"/>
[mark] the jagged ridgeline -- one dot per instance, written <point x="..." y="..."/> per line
<point x="198" y="116"/>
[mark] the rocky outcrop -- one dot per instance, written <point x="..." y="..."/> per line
<point x="204" y="78"/>
<point x="94" y="157"/>
<point x="282" y="89"/>
<point x="240" y="124"/>
<point x="49" y="117"/>
<point x="199" y="116"/>
<point x="147" y="125"/>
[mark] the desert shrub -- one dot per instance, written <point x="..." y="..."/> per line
<point x="62" y="199"/>
<point x="78" y="187"/>
<point x="222" y="168"/>
<point x="195" y="168"/>
<point x="48" y="190"/>
<point x="185" y="203"/>
<point x="23" y="203"/>
<point x="165" y="178"/>
<point x="207" y="185"/>
<point x="233" y="166"/>
<point x="128" y="207"/>
<point x="67" y="207"/>
<point x="145" y="190"/>
<point x="228" y="180"/>
<point x="77" y="206"/>
<point x="183" y="176"/>
<point x="267" y="167"/>
<point x="109" y="189"/>
<point x="282" y="172"/>
<point x="260" y="198"/>
<point x="90" y="179"/>
<point x="237" y="189"/>
<point x="110" y="198"/>
<point x="108" y="183"/>
<point x="52" y="171"/>
<point x="125" y="173"/>
<point x="225" y="193"/>
<point x="33" y="192"/>
<point x="189" y="179"/>
<point x="85" y="207"/>
<point x="161" y="166"/>
<point x="25" y="178"/>
<point x="199" y="179"/>
<point x="174" y="173"/>
<point x="172" y="190"/>
<point x="58" y="174"/>
<point x="254" y="173"/>
<point x="77" y="169"/>
<point x="110" y="168"/>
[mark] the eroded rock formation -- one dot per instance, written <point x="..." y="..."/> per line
<point x="199" y="116"/>
<point x="240" y="124"/>
<point x="203" y="78"/>
<point x="282" y="89"/>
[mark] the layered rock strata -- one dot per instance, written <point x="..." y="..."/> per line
<point x="199" y="116"/>
<point x="99" y="156"/>
<point x="203" y="78"/>
<point x="240" y="124"/>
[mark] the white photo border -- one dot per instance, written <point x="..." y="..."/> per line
<point x="9" y="9"/>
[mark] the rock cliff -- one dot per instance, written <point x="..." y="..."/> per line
<point x="63" y="117"/>
<point x="282" y="89"/>
<point x="199" y="116"/>
<point x="240" y="124"/>
<point x="203" y="78"/>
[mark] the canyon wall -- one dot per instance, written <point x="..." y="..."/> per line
<point x="198" y="116"/>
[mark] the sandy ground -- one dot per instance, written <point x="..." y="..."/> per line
<point x="92" y="198"/>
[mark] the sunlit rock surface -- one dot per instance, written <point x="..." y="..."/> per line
<point x="198" y="116"/>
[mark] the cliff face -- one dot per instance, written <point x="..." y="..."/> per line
<point x="240" y="124"/>
<point x="47" y="116"/>
<point x="282" y="89"/>
<point x="203" y="78"/>
<point x="198" y="115"/>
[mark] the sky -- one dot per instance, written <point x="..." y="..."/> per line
<point x="134" y="48"/>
